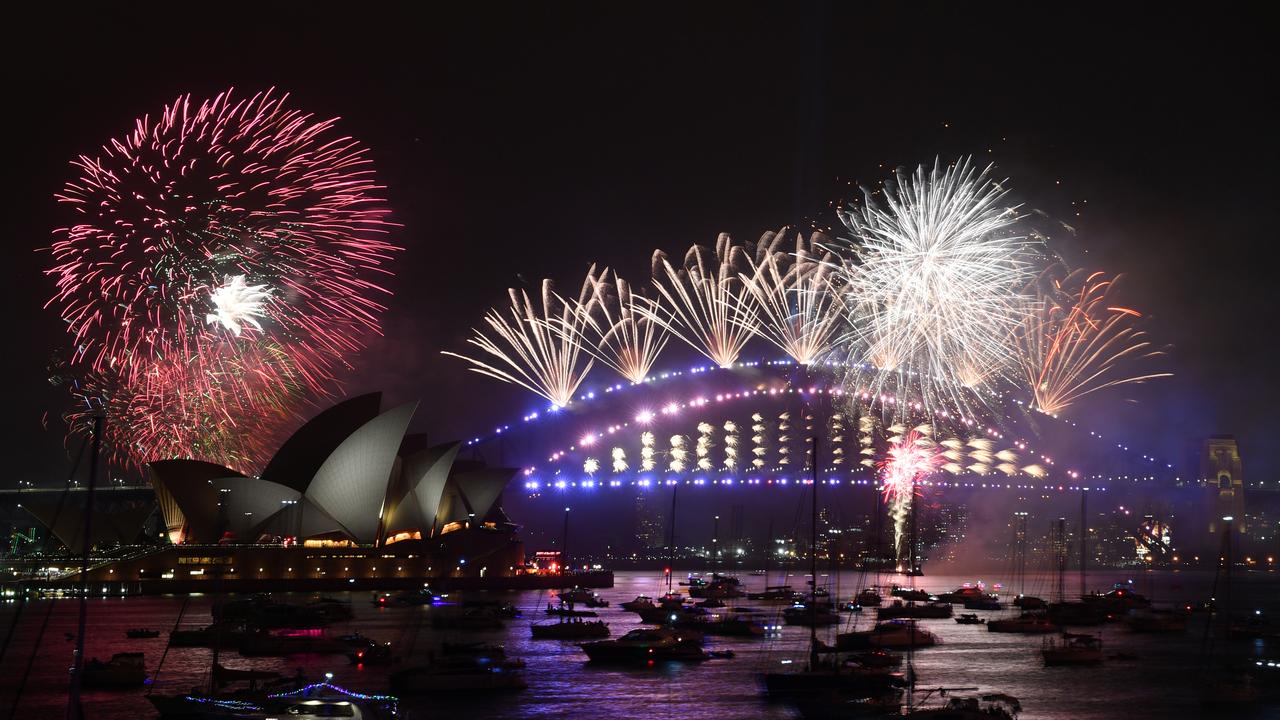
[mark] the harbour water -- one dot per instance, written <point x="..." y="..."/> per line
<point x="1161" y="683"/>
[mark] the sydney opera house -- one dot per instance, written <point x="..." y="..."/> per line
<point x="349" y="500"/>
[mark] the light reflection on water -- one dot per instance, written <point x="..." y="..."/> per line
<point x="1161" y="684"/>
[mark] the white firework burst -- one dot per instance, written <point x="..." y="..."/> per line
<point x="792" y="299"/>
<point x="702" y="301"/>
<point x="623" y="333"/>
<point x="236" y="304"/>
<point x="534" y="347"/>
<point x="933" y="286"/>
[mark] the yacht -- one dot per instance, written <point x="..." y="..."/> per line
<point x="992" y="706"/>
<point x="1157" y="621"/>
<point x="890" y="634"/>
<point x="121" y="671"/>
<point x="642" y="602"/>
<point x="969" y="619"/>
<point x="573" y="629"/>
<point x="1026" y="624"/>
<point x="641" y="647"/>
<point x="460" y="673"/>
<point x="899" y="609"/>
<point x="309" y="702"/>
<point x="1072" y="649"/>
<point x="868" y="598"/>
<point x="803" y="615"/>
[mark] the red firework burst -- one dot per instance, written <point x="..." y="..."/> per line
<point x="223" y="263"/>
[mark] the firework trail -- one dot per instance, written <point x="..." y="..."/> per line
<point x="1078" y="341"/>
<point x="210" y="242"/>
<point x="536" y="347"/>
<point x="932" y="286"/>
<point x="703" y="303"/>
<point x="791" y="297"/>
<point x="910" y="458"/>
<point x="623" y="335"/>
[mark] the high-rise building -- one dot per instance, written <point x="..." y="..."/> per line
<point x="648" y="523"/>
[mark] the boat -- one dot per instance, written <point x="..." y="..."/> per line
<point x="1157" y="621"/>
<point x="969" y="619"/>
<point x="292" y="642"/>
<point x="141" y="633"/>
<point x="806" y="616"/>
<point x="891" y="634"/>
<point x="899" y="609"/>
<point x="1077" y="613"/>
<point x="308" y="702"/>
<point x="408" y="598"/>
<point x="223" y="635"/>
<point x="878" y="657"/>
<point x="470" y="620"/>
<point x="642" y="602"/>
<point x="1029" y="602"/>
<point x="773" y="593"/>
<point x="472" y="648"/>
<point x="1072" y="649"/>
<point x="570" y="630"/>
<point x="728" y="625"/>
<point x="1026" y="624"/>
<point x="563" y="611"/>
<point x="1120" y="600"/>
<point x="665" y="614"/>
<point x="123" y="670"/>
<point x="868" y="598"/>
<point x="264" y="612"/>
<point x="377" y="654"/>
<point x="649" y="645"/>
<point x="759" y="572"/>
<point x="719" y="587"/>
<point x="962" y="594"/>
<point x="992" y="706"/>
<point x="988" y="601"/>
<point x="460" y="673"/>
<point x="582" y="596"/>
<point x="911" y="594"/>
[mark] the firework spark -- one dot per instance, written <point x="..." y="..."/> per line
<point x="932" y="285"/>
<point x="236" y="304"/>
<point x="1079" y="341"/>
<point x="623" y="335"/>
<point x="702" y="302"/>
<point x="792" y="301"/>
<point x="273" y="209"/>
<point x="536" y="347"/>
<point x="910" y="458"/>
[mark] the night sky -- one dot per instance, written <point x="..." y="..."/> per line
<point x="523" y="142"/>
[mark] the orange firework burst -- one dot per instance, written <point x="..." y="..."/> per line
<point x="1079" y="341"/>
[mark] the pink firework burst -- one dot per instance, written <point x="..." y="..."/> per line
<point x="906" y="462"/>
<point x="224" y="261"/>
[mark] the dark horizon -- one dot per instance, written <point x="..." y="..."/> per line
<point x="532" y="142"/>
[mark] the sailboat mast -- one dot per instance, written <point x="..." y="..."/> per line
<point x="74" y="709"/>
<point x="671" y="540"/>
<point x="1084" y="537"/>
<point x="813" y="560"/>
